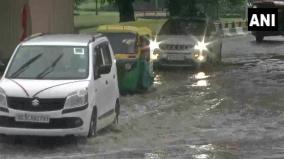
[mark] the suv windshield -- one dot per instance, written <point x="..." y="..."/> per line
<point x="49" y="62"/>
<point x="185" y="27"/>
<point x="122" y="43"/>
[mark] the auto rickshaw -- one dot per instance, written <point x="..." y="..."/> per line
<point x="131" y="46"/>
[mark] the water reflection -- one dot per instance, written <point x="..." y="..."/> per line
<point x="200" y="76"/>
<point x="202" y="151"/>
<point x="202" y="156"/>
<point x="208" y="147"/>
<point x="157" y="80"/>
<point x="201" y="83"/>
<point x="201" y="80"/>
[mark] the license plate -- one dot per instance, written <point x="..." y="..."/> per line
<point x="176" y="57"/>
<point x="32" y="118"/>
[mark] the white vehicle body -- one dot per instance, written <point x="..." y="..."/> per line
<point x="60" y="107"/>
<point x="186" y="49"/>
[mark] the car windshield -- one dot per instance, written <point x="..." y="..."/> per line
<point x="49" y="62"/>
<point x="122" y="43"/>
<point x="185" y="27"/>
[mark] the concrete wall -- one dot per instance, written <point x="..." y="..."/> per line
<point x="10" y="26"/>
<point x="52" y="16"/>
<point x="48" y="16"/>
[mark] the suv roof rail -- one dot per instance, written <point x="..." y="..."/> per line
<point x="34" y="36"/>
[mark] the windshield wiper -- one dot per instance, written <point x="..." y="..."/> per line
<point x="25" y="66"/>
<point x="49" y="69"/>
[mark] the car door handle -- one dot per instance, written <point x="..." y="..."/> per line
<point x="106" y="82"/>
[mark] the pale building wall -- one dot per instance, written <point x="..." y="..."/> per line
<point x="10" y="26"/>
<point x="48" y="16"/>
<point x="52" y="16"/>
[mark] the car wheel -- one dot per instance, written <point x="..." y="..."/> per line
<point x="93" y="124"/>
<point x="117" y="112"/>
<point x="259" y="38"/>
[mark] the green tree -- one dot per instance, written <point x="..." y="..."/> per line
<point x="126" y="10"/>
<point x="125" y="7"/>
<point x="189" y="8"/>
<point x="77" y="3"/>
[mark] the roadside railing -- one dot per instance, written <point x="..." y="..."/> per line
<point x="233" y="28"/>
<point x="145" y="14"/>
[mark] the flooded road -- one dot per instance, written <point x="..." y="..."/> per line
<point x="233" y="111"/>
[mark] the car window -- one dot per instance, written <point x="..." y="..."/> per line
<point x="98" y="60"/>
<point x="106" y="54"/>
<point x="98" y="57"/>
<point x="122" y="43"/>
<point x="50" y="62"/>
<point x="186" y="27"/>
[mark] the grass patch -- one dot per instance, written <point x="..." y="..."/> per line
<point x="90" y="5"/>
<point x="86" y="20"/>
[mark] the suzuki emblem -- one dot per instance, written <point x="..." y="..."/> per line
<point x="35" y="102"/>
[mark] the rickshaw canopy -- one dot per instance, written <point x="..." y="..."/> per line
<point x="141" y="31"/>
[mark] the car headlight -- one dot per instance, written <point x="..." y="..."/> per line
<point x="156" y="52"/>
<point x="278" y="2"/>
<point x="201" y="46"/>
<point x="3" y="99"/>
<point x="199" y="56"/>
<point x="155" y="55"/>
<point x="77" y="99"/>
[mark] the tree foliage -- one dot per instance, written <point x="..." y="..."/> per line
<point x="126" y="10"/>
<point x="125" y="7"/>
<point x="192" y="7"/>
<point x="77" y="3"/>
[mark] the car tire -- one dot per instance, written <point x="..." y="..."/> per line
<point x="93" y="124"/>
<point x="259" y="38"/>
<point x="117" y="112"/>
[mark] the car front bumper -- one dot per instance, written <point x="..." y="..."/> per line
<point x="75" y="123"/>
<point x="184" y="63"/>
<point x="179" y="60"/>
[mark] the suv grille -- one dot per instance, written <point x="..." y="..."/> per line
<point x="25" y="104"/>
<point x="175" y="47"/>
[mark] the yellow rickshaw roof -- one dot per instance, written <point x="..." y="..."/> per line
<point x="124" y="28"/>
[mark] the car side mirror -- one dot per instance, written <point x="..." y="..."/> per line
<point x="105" y="69"/>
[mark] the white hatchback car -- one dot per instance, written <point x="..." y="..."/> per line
<point x="59" y="85"/>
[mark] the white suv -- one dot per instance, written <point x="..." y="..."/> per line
<point x="188" y="42"/>
<point x="59" y="85"/>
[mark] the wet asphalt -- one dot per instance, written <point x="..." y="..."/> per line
<point x="231" y="111"/>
